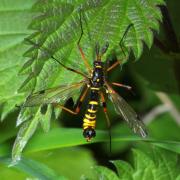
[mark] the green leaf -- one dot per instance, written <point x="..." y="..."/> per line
<point x="105" y="173"/>
<point x="178" y="178"/>
<point x="60" y="137"/>
<point x="18" y="17"/>
<point x="46" y="118"/>
<point x="14" y="19"/>
<point x="71" y="162"/>
<point x="58" y="30"/>
<point x="143" y="165"/>
<point x="167" y="164"/>
<point x="163" y="166"/>
<point x="33" y="168"/>
<point x="26" y="131"/>
<point x="67" y="137"/>
<point x="124" y="169"/>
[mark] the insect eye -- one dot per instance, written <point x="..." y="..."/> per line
<point x="89" y="133"/>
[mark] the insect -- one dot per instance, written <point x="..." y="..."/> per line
<point x="95" y="83"/>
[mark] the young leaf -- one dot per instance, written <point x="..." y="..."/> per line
<point x="105" y="173"/>
<point x="124" y="170"/>
<point x="163" y="166"/>
<point x="166" y="163"/>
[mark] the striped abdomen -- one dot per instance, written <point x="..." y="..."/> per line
<point x="89" y="120"/>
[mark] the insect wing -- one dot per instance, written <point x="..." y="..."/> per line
<point x="129" y="115"/>
<point x="54" y="95"/>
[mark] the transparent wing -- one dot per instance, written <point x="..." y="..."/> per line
<point x="53" y="95"/>
<point x="129" y="115"/>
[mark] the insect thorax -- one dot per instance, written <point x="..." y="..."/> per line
<point x="97" y="79"/>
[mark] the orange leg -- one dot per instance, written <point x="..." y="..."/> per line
<point x="107" y="117"/>
<point x="84" y="59"/>
<point x="113" y="66"/>
<point x="64" y="108"/>
<point x="122" y="85"/>
<point x="81" y="100"/>
<point x="80" y="49"/>
<point x="78" y="106"/>
<point x="105" y="109"/>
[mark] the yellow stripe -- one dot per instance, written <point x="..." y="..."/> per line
<point x="85" y="127"/>
<point x="91" y="111"/>
<point x="93" y="102"/>
<point x="90" y="117"/>
<point x="87" y="123"/>
<point x="93" y="88"/>
<point x="98" y="66"/>
<point x="85" y="120"/>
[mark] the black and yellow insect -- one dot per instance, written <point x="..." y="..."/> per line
<point x="95" y="83"/>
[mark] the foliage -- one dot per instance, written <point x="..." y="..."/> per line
<point x="57" y="37"/>
<point x="158" y="164"/>
<point x="55" y="25"/>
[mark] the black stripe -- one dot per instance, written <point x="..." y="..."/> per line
<point x="104" y="104"/>
<point x="92" y="106"/>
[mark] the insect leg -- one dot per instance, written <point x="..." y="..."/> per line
<point x="81" y="100"/>
<point x="70" y="69"/>
<point x="64" y="108"/>
<point x="79" y="47"/>
<point x="122" y="85"/>
<point x="49" y="52"/>
<point x="78" y="106"/>
<point x="107" y="117"/>
<point x="113" y="66"/>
